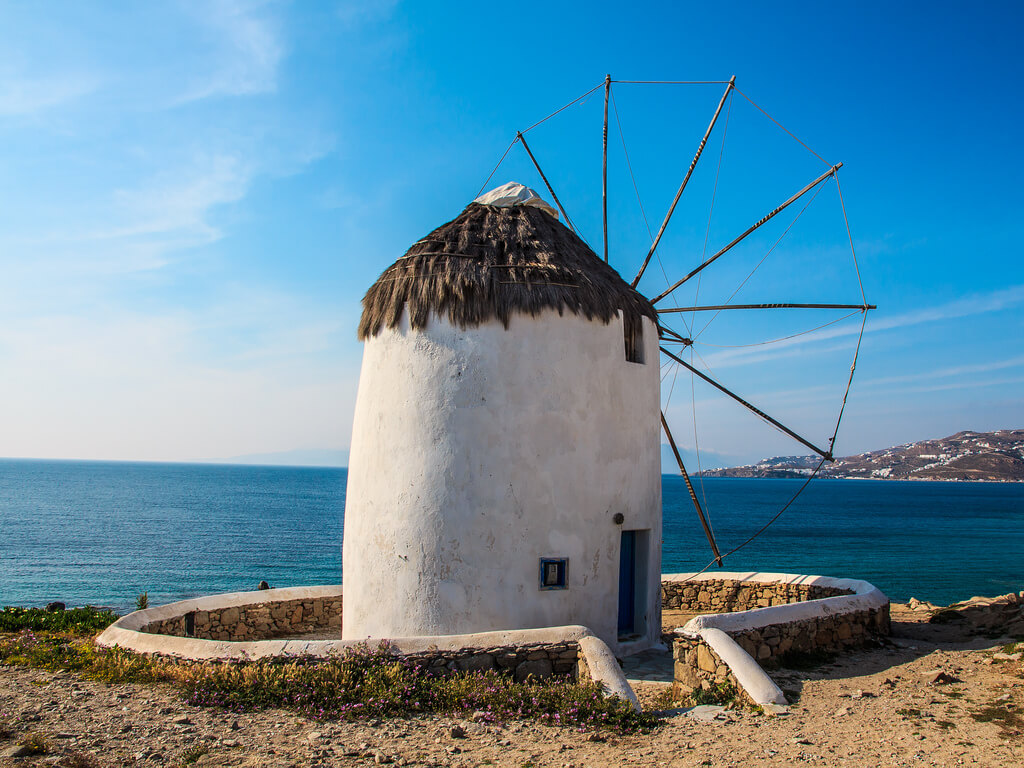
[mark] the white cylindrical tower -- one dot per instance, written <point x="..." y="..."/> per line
<point x="505" y="467"/>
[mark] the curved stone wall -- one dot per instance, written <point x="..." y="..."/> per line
<point x="771" y="615"/>
<point x="233" y="621"/>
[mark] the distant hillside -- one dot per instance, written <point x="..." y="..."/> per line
<point x="994" y="456"/>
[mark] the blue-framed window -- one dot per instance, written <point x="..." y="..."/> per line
<point x="554" y="573"/>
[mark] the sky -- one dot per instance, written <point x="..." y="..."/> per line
<point x="195" y="196"/>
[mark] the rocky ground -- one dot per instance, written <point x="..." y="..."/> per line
<point x="939" y="694"/>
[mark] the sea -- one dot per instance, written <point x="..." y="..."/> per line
<point x="102" y="533"/>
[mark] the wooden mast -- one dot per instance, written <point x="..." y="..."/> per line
<point x="679" y="193"/>
<point x="765" y="219"/>
<point x="717" y="307"/>
<point x="522" y="140"/>
<point x="604" y="163"/>
<point x="693" y="494"/>
<point x="827" y="455"/>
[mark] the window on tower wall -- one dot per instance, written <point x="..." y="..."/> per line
<point x="633" y="335"/>
<point x="554" y="572"/>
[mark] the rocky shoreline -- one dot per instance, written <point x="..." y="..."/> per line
<point x="943" y="692"/>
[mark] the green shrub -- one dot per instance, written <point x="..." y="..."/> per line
<point x="74" y="653"/>
<point x="192" y="754"/>
<point x="142" y="601"/>
<point x="35" y="743"/>
<point x="719" y="693"/>
<point x="372" y="683"/>
<point x="85" y="621"/>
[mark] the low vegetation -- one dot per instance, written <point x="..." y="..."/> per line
<point x="359" y="684"/>
<point x="79" y="621"/>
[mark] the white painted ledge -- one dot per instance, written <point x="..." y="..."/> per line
<point x="713" y="628"/>
<point x="126" y="633"/>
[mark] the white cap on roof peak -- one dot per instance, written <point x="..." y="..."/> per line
<point x="512" y="194"/>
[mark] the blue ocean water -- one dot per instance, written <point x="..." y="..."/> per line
<point x="102" y="532"/>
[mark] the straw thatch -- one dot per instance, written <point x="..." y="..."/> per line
<point x="491" y="263"/>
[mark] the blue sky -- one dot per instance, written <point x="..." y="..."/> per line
<point x="194" y="197"/>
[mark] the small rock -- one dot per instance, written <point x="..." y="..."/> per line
<point x="842" y="711"/>
<point x="457" y="732"/>
<point x="235" y="726"/>
<point x="55" y="607"/>
<point x="263" y="585"/>
<point x="943" y="679"/>
<point x="165" y="710"/>
<point x="1007" y="656"/>
<point x="230" y="743"/>
<point x="596" y="737"/>
<point x="801" y="740"/>
<point x="182" y="720"/>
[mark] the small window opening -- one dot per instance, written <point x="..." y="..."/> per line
<point x="554" y="572"/>
<point x="633" y="335"/>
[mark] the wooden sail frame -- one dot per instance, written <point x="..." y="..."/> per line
<point x="670" y="336"/>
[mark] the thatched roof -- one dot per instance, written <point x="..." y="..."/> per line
<point x="491" y="263"/>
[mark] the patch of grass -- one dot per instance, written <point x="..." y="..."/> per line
<point x="71" y="652"/>
<point x="720" y="693"/>
<point x="945" y="725"/>
<point x="909" y="712"/>
<point x="1012" y="647"/>
<point x="35" y="743"/>
<point x="192" y="754"/>
<point x="806" y="660"/>
<point x="372" y="683"/>
<point x="81" y="621"/>
<point x="362" y="683"/>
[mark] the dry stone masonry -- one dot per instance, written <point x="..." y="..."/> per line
<point x="767" y="635"/>
<point x="727" y="595"/>
<point x="260" y="621"/>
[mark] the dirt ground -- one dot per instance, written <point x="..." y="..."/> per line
<point x="881" y="707"/>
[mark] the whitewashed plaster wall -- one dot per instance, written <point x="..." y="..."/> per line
<point x="475" y="453"/>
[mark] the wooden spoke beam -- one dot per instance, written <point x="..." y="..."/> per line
<point x="679" y="193"/>
<point x="522" y="140"/>
<point x="693" y="494"/>
<point x="717" y="307"/>
<point x="667" y="334"/>
<point x="768" y="217"/>
<point x="827" y="455"/>
<point x="604" y="164"/>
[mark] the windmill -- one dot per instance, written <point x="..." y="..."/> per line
<point x="505" y="468"/>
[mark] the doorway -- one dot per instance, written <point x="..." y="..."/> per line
<point x="632" y="585"/>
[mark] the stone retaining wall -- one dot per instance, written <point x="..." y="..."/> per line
<point x="726" y="595"/>
<point x="265" y="621"/>
<point x="259" y="621"/>
<point x="696" y="665"/>
<point x="754" y="620"/>
<point x="521" y="661"/>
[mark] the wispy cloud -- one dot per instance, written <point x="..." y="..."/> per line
<point x="25" y="94"/>
<point x="247" y="51"/>
<point x="977" y="304"/>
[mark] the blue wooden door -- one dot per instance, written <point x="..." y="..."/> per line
<point x="627" y="583"/>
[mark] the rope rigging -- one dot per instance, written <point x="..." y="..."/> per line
<point x="687" y="314"/>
